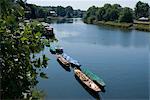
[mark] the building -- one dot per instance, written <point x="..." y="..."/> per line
<point x="143" y="19"/>
<point x="53" y="13"/>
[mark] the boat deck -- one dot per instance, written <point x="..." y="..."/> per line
<point x="86" y="80"/>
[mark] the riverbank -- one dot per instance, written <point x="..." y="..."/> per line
<point x="114" y="24"/>
<point x="54" y="19"/>
<point x="138" y="25"/>
<point x="143" y="26"/>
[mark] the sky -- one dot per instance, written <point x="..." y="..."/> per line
<point x="85" y="4"/>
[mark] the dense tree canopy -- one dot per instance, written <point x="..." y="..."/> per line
<point x="69" y="12"/>
<point x="116" y="13"/>
<point x="107" y="13"/>
<point x="19" y="43"/>
<point x="91" y="14"/>
<point x="60" y="11"/>
<point x="142" y="9"/>
<point x="126" y="15"/>
<point x="34" y="11"/>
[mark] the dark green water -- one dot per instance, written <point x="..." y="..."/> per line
<point x="120" y="57"/>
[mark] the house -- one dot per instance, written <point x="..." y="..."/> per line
<point x="143" y="19"/>
<point x="53" y="13"/>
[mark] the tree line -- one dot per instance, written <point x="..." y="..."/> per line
<point x="34" y="11"/>
<point x="116" y="13"/>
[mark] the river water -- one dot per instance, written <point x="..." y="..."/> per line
<point x="119" y="56"/>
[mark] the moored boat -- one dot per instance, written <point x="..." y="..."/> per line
<point x="87" y="81"/>
<point x="56" y="48"/>
<point x="73" y="62"/>
<point x="62" y="60"/>
<point x="59" y="50"/>
<point x="94" y="77"/>
<point x="52" y="50"/>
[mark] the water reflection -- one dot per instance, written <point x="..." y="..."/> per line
<point x="106" y="36"/>
<point x="64" y="20"/>
<point x="91" y="92"/>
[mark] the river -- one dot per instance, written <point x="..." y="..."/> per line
<point x="119" y="56"/>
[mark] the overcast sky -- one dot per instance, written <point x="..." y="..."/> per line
<point x="85" y="4"/>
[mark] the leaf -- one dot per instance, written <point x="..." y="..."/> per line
<point x="43" y="75"/>
<point x="38" y="34"/>
<point x="23" y="39"/>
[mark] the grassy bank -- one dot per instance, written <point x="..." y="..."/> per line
<point x="114" y="24"/>
<point x="52" y="19"/>
<point x="142" y="26"/>
<point x="48" y="19"/>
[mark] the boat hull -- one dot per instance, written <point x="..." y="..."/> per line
<point x="52" y="51"/>
<point x="66" y="68"/>
<point x="90" y="91"/>
<point x="74" y="65"/>
<point x="63" y="60"/>
<point x="59" y="51"/>
<point x="89" y="83"/>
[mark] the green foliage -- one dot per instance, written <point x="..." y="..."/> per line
<point x="19" y="40"/>
<point x="38" y="95"/>
<point x="126" y="15"/>
<point x="91" y="19"/>
<point x="91" y="11"/>
<point x="43" y="75"/>
<point x="107" y="13"/>
<point x="116" y="13"/>
<point x="34" y="11"/>
<point x="142" y="9"/>
<point x="90" y="14"/>
<point x="78" y="13"/>
<point x="60" y="11"/>
<point x="99" y="13"/>
<point x="69" y="12"/>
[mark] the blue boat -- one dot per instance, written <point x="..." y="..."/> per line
<point x="73" y="62"/>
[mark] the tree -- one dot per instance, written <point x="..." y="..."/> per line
<point x="107" y="14"/>
<point x="60" y="11"/>
<point x="91" y="19"/>
<point x="116" y="6"/>
<point x="107" y="5"/>
<point x="69" y="11"/>
<point x="126" y="15"/>
<point x="19" y="43"/>
<point x="41" y="12"/>
<point x="111" y="12"/>
<point x="78" y="13"/>
<point x="99" y="14"/>
<point x="32" y="11"/>
<point x="115" y="11"/>
<point x="91" y="12"/>
<point x="141" y="9"/>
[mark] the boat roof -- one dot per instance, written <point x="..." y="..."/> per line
<point x="93" y="76"/>
<point x="71" y="60"/>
